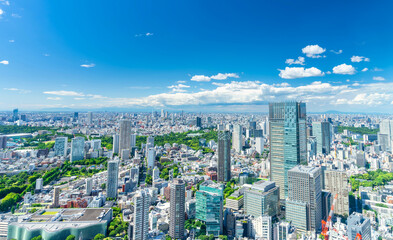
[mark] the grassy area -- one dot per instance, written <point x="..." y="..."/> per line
<point x="234" y="198"/>
<point x="358" y="130"/>
<point x="370" y="179"/>
<point x="50" y="213"/>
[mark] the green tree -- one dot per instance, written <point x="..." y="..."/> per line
<point x="39" y="237"/>
<point x="70" y="237"/>
<point x="99" y="236"/>
<point x="149" y="179"/>
<point x="223" y="237"/>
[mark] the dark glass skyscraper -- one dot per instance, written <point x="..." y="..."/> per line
<point x="224" y="156"/>
<point x="321" y="130"/>
<point x="288" y="145"/>
<point x="177" y="209"/>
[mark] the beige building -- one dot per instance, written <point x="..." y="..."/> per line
<point x="336" y="182"/>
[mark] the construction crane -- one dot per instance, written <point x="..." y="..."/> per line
<point x="358" y="236"/>
<point x="326" y="225"/>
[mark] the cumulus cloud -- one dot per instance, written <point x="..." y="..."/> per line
<point x="364" y="69"/>
<point x="88" y="65"/>
<point x="300" y="72"/>
<point x="64" y="93"/>
<point x="337" y="52"/>
<point x="1" y="12"/>
<point x="299" y="60"/>
<point x="200" y="78"/>
<point x="23" y="91"/>
<point x="359" y="59"/>
<point x="4" y="62"/>
<point x="54" y="98"/>
<point x="344" y="69"/>
<point x="313" y="51"/>
<point x="219" y="76"/>
<point x="379" y="78"/>
<point x="179" y="88"/>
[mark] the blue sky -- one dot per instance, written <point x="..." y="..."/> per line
<point x="220" y="55"/>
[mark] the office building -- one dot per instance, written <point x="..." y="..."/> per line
<point x="304" y="202"/>
<point x="39" y="184"/>
<point x="61" y="146"/>
<point x="262" y="228"/>
<point x="198" y="122"/>
<point x="151" y="158"/>
<point x="15" y="115"/>
<point x="125" y="135"/>
<point x="141" y="215"/>
<point x="385" y="135"/>
<point x="209" y="206"/>
<point x="133" y="140"/>
<point x="259" y="144"/>
<point x="89" y="118"/>
<point x="357" y="223"/>
<point x="252" y="125"/>
<point x="224" y="156"/>
<point x="3" y="142"/>
<point x="177" y="209"/>
<point x="115" y="146"/>
<point x="261" y="198"/>
<point x="76" y="116"/>
<point x="288" y="147"/>
<point x="322" y="132"/>
<point x="56" y="195"/>
<point x="149" y="142"/>
<point x="311" y="147"/>
<point x="77" y="149"/>
<point x="336" y="182"/>
<point x="156" y="174"/>
<point x="112" y="179"/>
<point x="237" y="138"/>
<point x="89" y="186"/>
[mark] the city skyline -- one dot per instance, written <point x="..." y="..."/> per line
<point x="231" y="57"/>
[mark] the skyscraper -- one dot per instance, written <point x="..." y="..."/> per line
<point x="61" y="146"/>
<point x="336" y="182"/>
<point x="89" y="118"/>
<point x="177" y="209"/>
<point x="304" y="203"/>
<point x="224" y="156"/>
<point x="321" y="131"/>
<point x="125" y="135"/>
<point x="115" y="144"/>
<point x="209" y="206"/>
<point x="385" y="135"/>
<point x="3" y="141"/>
<point x="141" y="215"/>
<point x="15" y="115"/>
<point x="112" y="179"/>
<point x="151" y="158"/>
<point x="76" y="116"/>
<point x="287" y="135"/>
<point x="56" y="193"/>
<point x="237" y="138"/>
<point x="133" y="140"/>
<point x="77" y="149"/>
<point x="89" y="186"/>
<point x="198" y="122"/>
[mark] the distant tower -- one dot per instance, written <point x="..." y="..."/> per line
<point x="113" y="178"/>
<point x="61" y="146"/>
<point x="125" y="135"/>
<point x="15" y="115"/>
<point x="224" y="156"/>
<point x="89" y="186"/>
<point x="3" y="141"/>
<point x="288" y="145"/>
<point x="151" y="158"/>
<point x="141" y="215"/>
<point x="89" y="118"/>
<point x="177" y="209"/>
<point x="115" y="143"/>
<point x="199" y="122"/>
<point x="77" y="149"/>
<point x="321" y="131"/>
<point x="76" y="116"/>
<point x="56" y="193"/>
<point x="237" y="138"/>
<point x="39" y="184"/>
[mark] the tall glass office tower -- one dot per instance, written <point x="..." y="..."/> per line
<point x="224" y="156"/>
<point x="288" y="145"/>
<point x="321" y="131"/>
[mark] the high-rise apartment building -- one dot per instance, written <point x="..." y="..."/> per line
<point x="112" y="179"/>
<point x="336" y="182"/>
<point x="89" y="118"/>
<point x="151" y="158"/>
<point x="125" y="135"/>
<point x="61" y="146"/>
<point x="115" y="146"/>
<point x="322" y="132"/>
<point x="357" y="223"/>
<point x="288" y="145"/>
<point x="133" y="140"/>
<point x="89" y="186"/>
<point x="304" y="202"/>
<point x="209" y="206"/>
<point x="39" y="184"/>
<point x="141" y="215"/>
<point x="56" y="195"/>
<point x="77" y="149"/>
<point x="177" y="209"/>
<point x="3" y="141"/>
<point x="224" y="156"/>
<point x="261" y="198"/>
<point x="385" y="135"/>
<point x="237" y="138"/>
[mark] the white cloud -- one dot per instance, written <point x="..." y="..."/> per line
<point x="54" y="98"/>
<point x="200" y="78"/>
<point x="64" y="93"/>
<point x="359" y="59"/>
<point x="364" y="69"/>
<point x="23" y="91"/>
<point x="88" y="65"/>
<point x="11" y="41"/>
<point x="4" y="62"/>
<point x="300" y="72"/>
<point x="224" y="76"/>
<point x="313" y="51"/>
<point x="299" y="60"/>
<point x="379" y="78"/>
<point x="337" y="52"/>
<point x="181" y="81"/>
<point x="179" y="88"/>
<point x="46" y="54"/>
<point x="144" y="34"/>
<point x="15" y="15"/>
<point x="5" y="2"/>
<point x="1" y="11"/>
<point x="377" y="69"/>
<point x="79" y="98"/>
<point x="344" y="69"/>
